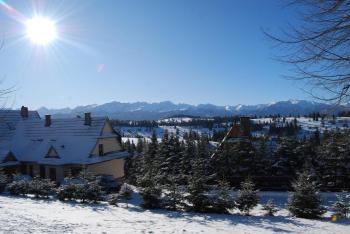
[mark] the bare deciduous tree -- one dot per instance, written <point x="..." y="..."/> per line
<point x="319" y="48"/>
<point x="4" y="92"/>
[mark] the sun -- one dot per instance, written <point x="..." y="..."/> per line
<point x="41" y="31"/>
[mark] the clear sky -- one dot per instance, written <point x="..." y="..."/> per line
<point x="188" y="51"/>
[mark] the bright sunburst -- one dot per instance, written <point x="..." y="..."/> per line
<point x="40" y="30"/>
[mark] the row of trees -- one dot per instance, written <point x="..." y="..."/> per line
<point x="272" y="164"/>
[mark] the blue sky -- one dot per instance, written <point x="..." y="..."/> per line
<point x="188" y="51"/>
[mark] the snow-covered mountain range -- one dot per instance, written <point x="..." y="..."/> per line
<point x="155" y="111"/>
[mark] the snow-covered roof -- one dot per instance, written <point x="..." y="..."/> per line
<point x="71" y="139"/>
<point x="9" y="119"/>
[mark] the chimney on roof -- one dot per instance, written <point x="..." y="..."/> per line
<point x="245" y="125"/>
<point x="24" y="112"/>
<point x="87" y="120"/>
<point x="47" y="120"/>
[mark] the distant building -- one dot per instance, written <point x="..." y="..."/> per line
<point x="237" y="132"/>
<point x="55" y="148"/>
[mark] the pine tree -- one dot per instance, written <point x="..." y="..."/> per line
<point x="285" y="157"/>
<point x="305" y="201"/>
<point x="173" y="199"/>
<point x="3" y="180"/>
<point x="189" y="149"/>
<point x="247" y="197"/>
<point x="197" y="186"/>
<point x="150" y="193"/>
<point x="162" y="158"/>
<point x="139" y="146"/>
<point x="148" y="164"/>
<point x="222" y="201"/>
<point x="235" y="159"/>
<point x="270" y="208"/>
<point x="342" y="205"/>
<point x="262" y="161"/>
<point x="334" y="160"/>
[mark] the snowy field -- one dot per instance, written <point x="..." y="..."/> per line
<point x="28" y="215"/>
<point x="308" y="125"/>
<point x="147" y="132"/>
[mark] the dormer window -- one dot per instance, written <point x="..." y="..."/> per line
<point x="52" y="153"/>
<point x="100" y="150"/>
<point x="10" y="157"/>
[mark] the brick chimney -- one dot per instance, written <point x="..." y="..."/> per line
<point x="24" y="112"/>
<point x="87" y="120"/>
<point x="47" y="120"/>
<point x="245" y="125"/>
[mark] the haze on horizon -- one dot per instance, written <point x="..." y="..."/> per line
<point x="182" y="51"/>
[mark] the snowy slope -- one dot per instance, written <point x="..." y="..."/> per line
<point x="27" y="215"/>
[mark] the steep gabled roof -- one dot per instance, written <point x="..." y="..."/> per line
<point x="234" y="132"/>
<point x="71" y="139"/>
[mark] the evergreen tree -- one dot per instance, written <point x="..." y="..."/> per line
<point x="222" y="201"/>
<point x="262" y="161"/>
<point x="247" y="197"/>
<point x="131" y="166"/>
<point x="334" y="160"/>
<point x="305" y="201"/>
<point x="285" y="157"/>
<point x="342" y="205"/>
<point x="139" y="145"/>
<point x="125" y="193"/>
<point x="149" y="163"/>
<point x="163" y="154"/>
<point x="187" y="156"/>
<point x="173" y="195"/>
<point x="235" y="160"/>
<point x="270" y="208"/>
<point x="3" y="180"/>
<point x="150" y="193"/>
<point x="197" y="186"/>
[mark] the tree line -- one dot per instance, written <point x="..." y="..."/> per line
<point x="273" y="164"/>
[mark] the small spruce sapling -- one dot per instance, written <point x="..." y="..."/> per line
<point x="270" y="208"/>
<point x="222" y="201"/>
<point x="247" y="197"/>
<point x="342" y="205"/>
<point x="125" y="193"/>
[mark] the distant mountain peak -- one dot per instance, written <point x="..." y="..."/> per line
<point x="164" y="109"/>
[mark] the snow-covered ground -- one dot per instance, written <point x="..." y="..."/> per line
<point x="146" y="132"/>
<point x="308" y="125"/>
<point x="28" y="215"/>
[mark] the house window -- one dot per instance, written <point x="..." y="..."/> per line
<point x="23" y="169"/>
<point x="42" y="171"/>
<point x="75" y="171"/>
<point x="53" y="174"/>
<point x="100" y="149"/>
